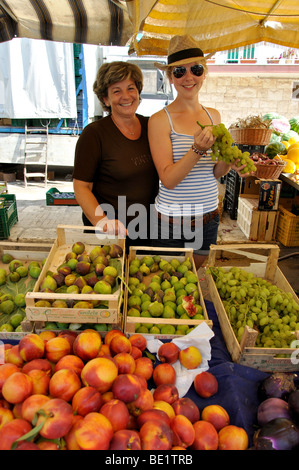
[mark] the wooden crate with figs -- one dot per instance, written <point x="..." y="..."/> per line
<point x="258" y="310"/>
<point x="20" y="266"/>
<point x="163" y="298"/>
<point x="81" y="280"/>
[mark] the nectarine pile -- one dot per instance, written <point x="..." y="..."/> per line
<point x="91" y="393"/>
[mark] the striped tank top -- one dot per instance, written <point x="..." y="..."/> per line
<point x="197" y="194"/>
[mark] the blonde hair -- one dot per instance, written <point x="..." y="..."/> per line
<point x="113" y="72"/>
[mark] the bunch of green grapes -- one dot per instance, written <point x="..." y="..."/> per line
<point x="223" y="149"/>
<point x="259" y="304"/>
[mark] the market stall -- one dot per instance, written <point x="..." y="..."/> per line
<point x="97" y="356"/>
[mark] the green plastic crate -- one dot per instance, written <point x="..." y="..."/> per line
<point x="54" y="197"/>
<point x="8" y="214"/>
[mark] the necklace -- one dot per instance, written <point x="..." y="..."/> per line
<point x="120" y="127"/>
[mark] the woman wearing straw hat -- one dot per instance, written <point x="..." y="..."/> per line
<point x="187" y="202"/>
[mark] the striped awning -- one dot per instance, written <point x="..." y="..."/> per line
<point x="216" y="24"/>
<point x="103" y="22"/>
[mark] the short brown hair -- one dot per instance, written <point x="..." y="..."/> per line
<point x="113" y="72"/>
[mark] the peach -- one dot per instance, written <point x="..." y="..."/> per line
<point x="86" y="400"/>
<point x="216" y="415"/>
<point x="70" y="362"/>
<point x="164" y="406"/>
<point x="69" y="335"/>
<point x="164" y="374"/>
<point x="70" y="437"/>
<point x="120" y="343"/>
<point x="166" y="392"/>
<point x="12" y="431"/>
<point x="64" y="384"/>
<point x="40" y="381"/>
<point x="125" y="362"/>
<point x="4" y="404"/>
<point x="187" y="407"/>
<point x="6" y="415"/>
<point x="183" y="431"/>
<point x="126" y="387"/>
<point x="24" y="445"/>
<point x="125" y="439"/>
<point x="107" y="396"/>
<point x="132" y="424"/>
<point x="43" y="444"/>
<point x="232" y="438"/>
<point x="142" y="380"/>
<point x="206" y="436"/>
<point x="31" y="346"/>
<point x="152" y="415"/>
<point x="136" y="352"/>
<point x="38" y="364"/>
<point x="59" y="418"/>
<point x="31" y="405"/>
<point x="94" y="432"/>
<point x="12" y="356"/>
<point x="144" y="367"/>
<point x="168" y="352"/>
<point x="17" y="388"/>
<point x="110" y="334"/>
<point x="56" y="348"/>
<point x="46" y="335"/>
<point x="5" y="371"/>
<point x="145" y="401"/>
<point x="138" y="340"/>
<point x="117" y="413"/>
<point x="99" y="373"/>
<point x="205" y="384"/>
<point x="87" y="345"/>
<point x="104" y="351"/>
<point x="190" y="357"/>
<point x="17" y="410"/>
<point x="156" y="435"/>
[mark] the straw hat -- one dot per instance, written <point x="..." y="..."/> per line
<point x="181" y="50"/>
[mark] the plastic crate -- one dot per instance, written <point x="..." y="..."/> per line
<point x="54" y="197"/>
<point x="8" y="214"/>
<point x="287" y="231"/>
<point x="232" y="191"/>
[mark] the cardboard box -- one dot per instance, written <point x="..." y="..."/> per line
<point x="268" y="192"/>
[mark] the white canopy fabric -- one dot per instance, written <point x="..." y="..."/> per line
<point x="37" y="80"/>
<point x="216" y="24"/>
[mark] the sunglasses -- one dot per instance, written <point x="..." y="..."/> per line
<point x="179" y="72"/>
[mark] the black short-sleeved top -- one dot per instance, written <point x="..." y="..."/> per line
<point x="116" y="166"/>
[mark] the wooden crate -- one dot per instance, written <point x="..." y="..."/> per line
<point x="130" y="322"/>
<point x="25" y="252"/>
<point x="261" y="260"/>
<point x="66" y="236"/>
<point x="256" y="225"/>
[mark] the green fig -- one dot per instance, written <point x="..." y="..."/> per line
<point x="7" y="258"/>
<point x="78" y="248"/>
<point x="103" y="287"/>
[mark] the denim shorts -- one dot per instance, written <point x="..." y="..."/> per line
<point x="205" y="236"/>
